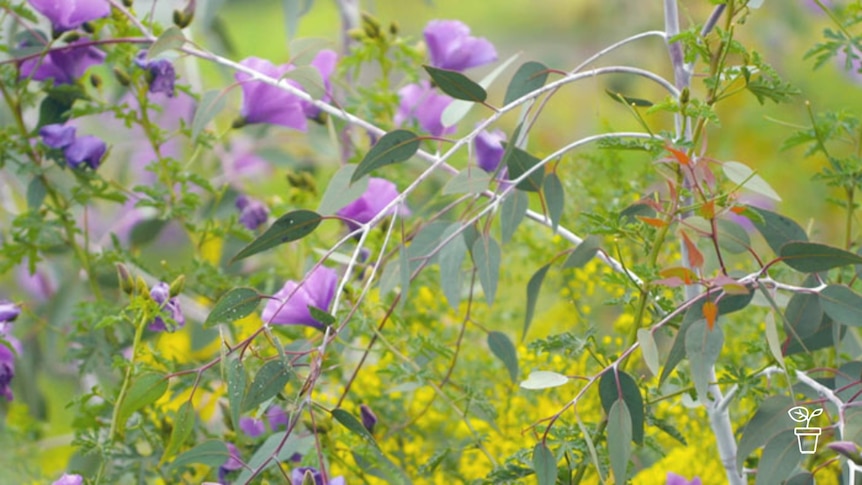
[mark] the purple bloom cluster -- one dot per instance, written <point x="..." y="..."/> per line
<point x="252" y="212"/>
<point x="77" y="150"/>
<point x="8" y="313"/>
<point x="298" y="475"/>
<point x="161" y="294"/>
<point x="263" y="103"/>
<point x="451" y="47"/>
<point x="64" y="65"/>
<point x="160" y="73"/>
<point x="71" y="14"/>
<point x="233" y="462"/>
<point x="377" y="196"/>
<point x="290" y="305"/>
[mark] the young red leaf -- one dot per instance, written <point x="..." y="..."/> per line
<point x="710" y="312"/>
<point x="679" y="155"/>
<point x="653" y="221"/>
<point x="695" y="257"/>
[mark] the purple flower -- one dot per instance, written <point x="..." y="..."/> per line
<point x="67" y="14"/>
<point x="8" y="312"/>
<point x="674" y="479"/>
<point x="489" y="149"/>
<point x="848" y="449"/>
<point x="379" y="194"/>
<point x="233" y="462"/>
<point x="85" y="149"/>
<point x="290" y="304"/>
<point x="160" y="73"/>
<point x="263" y="103"/>
<point x="252" y="427"/>
<point x="7" y="367"/>
<point x="277" y="418"/>
<point x="298" y="476"/>
<point x="452" y="47"/>
<point x="369" y="419"/>
<point x="57" y="135"/>
<point x="64" y="65"/>
<point x="67" y="479"/>
<point x="161" y="294"/>
<point x="41" y="285"/>
<point x="422" y="103"/>
<point x="252" y="212"/>
<point x="324" y="62"/>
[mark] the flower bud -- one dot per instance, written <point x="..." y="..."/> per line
<point x="371" y="26"/>
<point x="95" y="81"/>
<point x="141" y="286"/>
<point x="356" y="34"/>
<point x="122" y="77"/>
<point x="393" y="28"/>
<point x="88" y="28"/>
<point x="127" y="282"/>
<point x="177" y="285"/>
<point x="128" y="3"/>
<point x="71" y="37"/>
<point x="308" y="478"/>
<point x="369" y="419"/>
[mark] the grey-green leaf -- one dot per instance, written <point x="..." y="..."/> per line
<point x="289" y="227"/>
<point x="209" y="453"/>
<point x="184" y="424"/>
<point x="235" y="304"/>
<point x="452" y="257"/>
<point x="145" y="390"/>
<point x="340" y="191"/>
<point x="583" y="253"/>
<point x="467" y="181"/>
<point x="533" y="287"/>
<point x="555" y="198"/>
<point x="619" y="439"/>
<point x="703" y="346"/>
<point x="777" y="229"/>
<point x="528" y="78"/>
<point x="842" y="304"/>
<point x="457" y="85"/>
<point x="514" y="209"/>
<point x="544" y="464"/>
<point x="171" y="38"/>
<point x="269" y="381"/>
<point x="211" y="104"/>
<point x="780" y="457"/>
<point x="609" y="391"/>
<point x="394" y="147"/>
<point x="236" y="384"/>
<point x="487" y="256"/>
<point x="808" y="257"/>
<point x="649" y="350"/>
<point x="520" y="162"/>
<point x="769" y="419"/>
<point x="502" y="347"/>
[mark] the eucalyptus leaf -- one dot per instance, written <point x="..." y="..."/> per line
<point x="533" y="288"/>
<point x="808" y="257"/>
<point x="619" y="439"/>
<point x="514" y="209"/>
<point x="457" y="85"/>
<point x="554" y="194"/>
<point x="741" y="174"/>
<point x="394" y="147"/>
<point x="528" y="78"/>
<point x="289" y="227"/>
<point x="544" y="464"/>
<point x="233" y="305"/>
<point x="543" y="380"/>
<point x="503" y="348"/>
<point x="486" y="256"/>
<point x="209" y="453"/>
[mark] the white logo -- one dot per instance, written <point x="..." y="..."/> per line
<point x="805" y="435"/>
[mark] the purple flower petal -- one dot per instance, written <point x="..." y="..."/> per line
<point x="317" y="291"/>
<point x="252" y="212"/>
<point x="252" y="427"/>
<point x="422" y="103"/>
<point x="379" y="194"/>
<point x="64" y="65"/>
<point x="160" y="74"/>
<point x="71" y="14"/>
<point x="369" y="419"/>
<point x="489" y="149"/>
<point x="69" y="479"/>
<point x="7" y="368"/>
<point x="160" y="293"/>
<point x="85" y="149"/>
<point x="452" y="47"/>
<point x="8" y="311"/>
<point x="262" y="103"/>
<point x="674" y="479"/>
<point x="277" y="418"/>
<point x="324" y="62"/>
<point x="57" y="135"/>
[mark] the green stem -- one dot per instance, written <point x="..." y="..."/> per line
<point x="127" y="380"/>
<point x="848" y="223"/>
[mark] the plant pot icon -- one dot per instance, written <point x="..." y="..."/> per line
<point x="807" y="439"/>
<point x="806" y="436"/>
